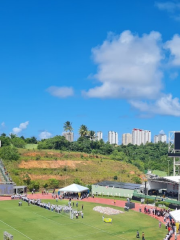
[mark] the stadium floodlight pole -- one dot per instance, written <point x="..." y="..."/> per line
<point x="168" y="166"/>
<point x="179" y="191"/>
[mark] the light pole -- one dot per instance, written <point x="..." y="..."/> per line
<point x="168" y="166"/>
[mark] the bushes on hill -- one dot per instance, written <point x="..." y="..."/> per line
<point x="18" y="142"/>
<point x="9" y="153"/>
<point x="53" y="183"/>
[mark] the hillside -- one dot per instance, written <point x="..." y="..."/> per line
<point x="39" y="166"/>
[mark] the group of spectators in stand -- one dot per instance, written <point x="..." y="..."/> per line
<point x="169" y="223"/>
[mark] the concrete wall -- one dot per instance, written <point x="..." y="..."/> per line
<point x="101" y="190"/>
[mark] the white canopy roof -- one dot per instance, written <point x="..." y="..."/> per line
<point x="74" y="188"/>
<point x="173" y="178"/>
<point x="175" y="215"/>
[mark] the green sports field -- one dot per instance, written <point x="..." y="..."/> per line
<point x="35" y="223"/>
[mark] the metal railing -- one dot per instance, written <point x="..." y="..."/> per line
<point x="140" y="195"/>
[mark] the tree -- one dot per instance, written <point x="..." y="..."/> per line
<point x="68" y="127"/>
<point x="5" y="141"/>
<point x="9" y="153"/>
<point x="32" y="140"/>
<point x="83" y="130"/>
<point x="12" y="135"/>
<point x="91" y="134"/>
<point x="18" y="142"/>
<point x="54" y="183"/>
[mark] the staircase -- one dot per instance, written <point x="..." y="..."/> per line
<point x="4" y="176"/>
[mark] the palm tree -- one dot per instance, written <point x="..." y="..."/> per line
<point x="83" y="130"/>
<point x="91" y="134"/>
<point x="68" y="126"/>
<point x="12" y="135"/>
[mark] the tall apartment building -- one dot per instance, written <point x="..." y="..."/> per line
<point x="99" y="136"/>
<point x="126" y="138"/>
<point x="113" y="137"/>
<point x="160" y="138"/>
<point x="69" y="136"/>
<point x="140" y="136"/>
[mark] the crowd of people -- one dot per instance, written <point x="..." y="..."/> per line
<point x="52" y="207"/>
<point x="169" y="222"/>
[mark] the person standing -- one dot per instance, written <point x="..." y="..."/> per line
<point x="159" y="224"/>
<point x="143" y="236"/>
<point x="137" y="234"/>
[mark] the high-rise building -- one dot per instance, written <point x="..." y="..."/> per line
<point x="126" y="138"/>
<point x="160" y="138"/>
<point x="140" y="136"/>
<point x="113" y="137"/>
<point x="99" y="136"/>
<point x="69" y="136"/>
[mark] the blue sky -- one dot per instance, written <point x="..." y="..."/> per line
<point x="111" y="65"/>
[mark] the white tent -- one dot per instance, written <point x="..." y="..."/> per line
<point x="74" y="188"/>
<point x="175" y="215"/>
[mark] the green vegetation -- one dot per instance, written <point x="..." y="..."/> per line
<point x="9" y="153"/>
<point x="160" y="173"/>
<point x="31" y="146"/>
<point x="38" y="223"/>
<point x="89" y="161"/>
<point x="67" y="167"/>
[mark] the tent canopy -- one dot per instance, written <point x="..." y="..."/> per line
<point x="175" y="215"/>
<point x="74" y="188"/>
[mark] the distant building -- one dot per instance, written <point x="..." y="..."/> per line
<point x="113" y="137"/>
<point x="126" y="138"/>
<point x="99" y="136"/>
<point x="160" y="138"/>
<point x="69" y="136"/>
<point x="140" y="136"/>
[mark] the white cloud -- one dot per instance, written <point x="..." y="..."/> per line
<point x="165" y="105"/>
<point x="61" y="92"/>
<point x="168" y="6"/>
<point x="45" y="135"/>
<point x="173" y="8"/>
<point x="21" y="127"/>
<point x="174" y="47"/>
<point x="128" y="67"/>
<point x="3" y="125"/>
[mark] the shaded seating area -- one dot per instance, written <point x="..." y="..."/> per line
<point x="74" y="191"/>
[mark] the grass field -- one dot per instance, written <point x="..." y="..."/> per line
<point x="31" y="146"/>
<point x="160" y="173"/>
<point x="35" y="223"/>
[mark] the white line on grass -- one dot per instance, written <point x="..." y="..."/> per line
<point x="82" y="223"/>
<point x="16" y="230"/>
<point x="53" y="220"/>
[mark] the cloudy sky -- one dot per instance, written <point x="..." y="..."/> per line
<point x="111" y="66"/>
